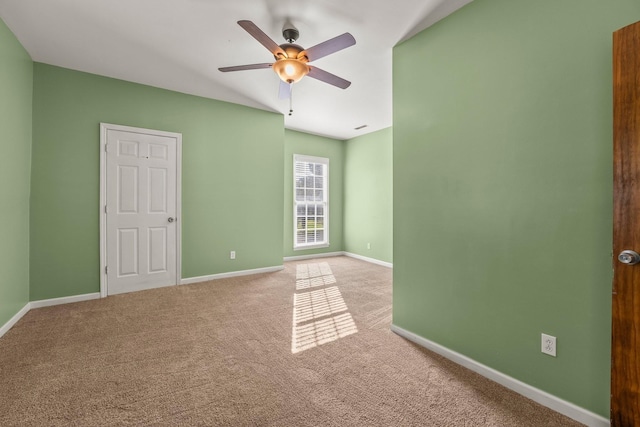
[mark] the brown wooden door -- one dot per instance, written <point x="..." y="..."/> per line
<point x="625" y="363"/>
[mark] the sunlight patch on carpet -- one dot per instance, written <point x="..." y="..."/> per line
<point x="314" y="275"/>
<point x="316" y="304"/>
<point x="319" y="316"/>
<point x="320" y="332"/>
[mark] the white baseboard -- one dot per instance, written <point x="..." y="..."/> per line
<point x="303" y="257"/>
<point x="5" y="328"/>
<point x="342" y="253"/>
<point x="64" y="300"/>
<point x="371" y="260"/>
<point x="45" y="303"/>
<point x="550" y="401"/>
<point x="198" y="279"/>
<point x="96" y="295"/>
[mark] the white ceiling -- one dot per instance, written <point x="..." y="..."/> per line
<point x="180" y="44"/>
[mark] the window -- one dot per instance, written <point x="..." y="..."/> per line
<point x="310" y="206"/>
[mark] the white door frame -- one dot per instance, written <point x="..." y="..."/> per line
<point x="104" y="127"/>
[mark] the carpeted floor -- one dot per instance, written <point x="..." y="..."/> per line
<point x="307" y="346"/>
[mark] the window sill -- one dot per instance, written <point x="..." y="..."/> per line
<point x="305" y="247"/>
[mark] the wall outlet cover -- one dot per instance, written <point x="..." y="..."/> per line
<point x="549" y="345"/>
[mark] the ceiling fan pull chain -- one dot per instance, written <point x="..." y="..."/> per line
<point x="291" y="99"/>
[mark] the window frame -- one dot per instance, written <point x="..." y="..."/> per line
<point x="297" y="158"/>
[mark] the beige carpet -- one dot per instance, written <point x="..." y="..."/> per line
<point x="308" y="346"/>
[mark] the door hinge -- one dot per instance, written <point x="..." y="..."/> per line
<point x="106" y="148"/>
<point x="105" y="209"/>
<point x="106" y="270"/>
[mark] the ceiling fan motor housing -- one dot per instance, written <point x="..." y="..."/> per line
<point x="293" y="51"/>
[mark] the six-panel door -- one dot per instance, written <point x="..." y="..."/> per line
<point x="141" y="210"/>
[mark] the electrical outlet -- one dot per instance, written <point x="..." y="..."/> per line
<point x="549" y="345"/>
<point x="232" y="255"/>
<point x="368" y="245"/>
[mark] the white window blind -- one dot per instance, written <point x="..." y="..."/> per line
<point x="311" y="195"/>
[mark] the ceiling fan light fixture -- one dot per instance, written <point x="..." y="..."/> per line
<point x="290" y="70"/>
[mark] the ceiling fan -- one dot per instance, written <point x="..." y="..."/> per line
<point x="292" y="60"/>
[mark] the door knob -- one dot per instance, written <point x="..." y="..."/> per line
<point x="629" y="257"/>
<point x="173" y="219"/>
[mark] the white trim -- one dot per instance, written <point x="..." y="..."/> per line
<point x="371" y="260"/>
<point x="64" y="300"/>
<point x="340" y="253"/>
<point x="311" y="256"/>
<point x="178" y="221"/>
<point x="550" y="401"/>
<point x="104" y="127"/>
<point x="45" y="303"/>
<point x="199" y="279"/>
<point x="103" y="203"/>
<point x="309" y="159"/>
<point x="19" y="315"/>
<point x="311" y="246"/>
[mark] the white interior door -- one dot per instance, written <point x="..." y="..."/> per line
<point x="141" y="213"/>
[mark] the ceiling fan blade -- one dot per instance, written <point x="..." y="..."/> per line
<point x="284" y="90"/>
<point x="328" y="47"/>
<point x="327" y="77"/>
<point x="245" y="67"/>
<point x="264" y="39"/>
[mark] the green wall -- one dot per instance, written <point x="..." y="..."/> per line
<point x="312" y="145"/>
<point x="16" y="77"/>
<point x="368" y="195"/>
<point x="232" y="173"/>
<point x="503" y="188"/>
